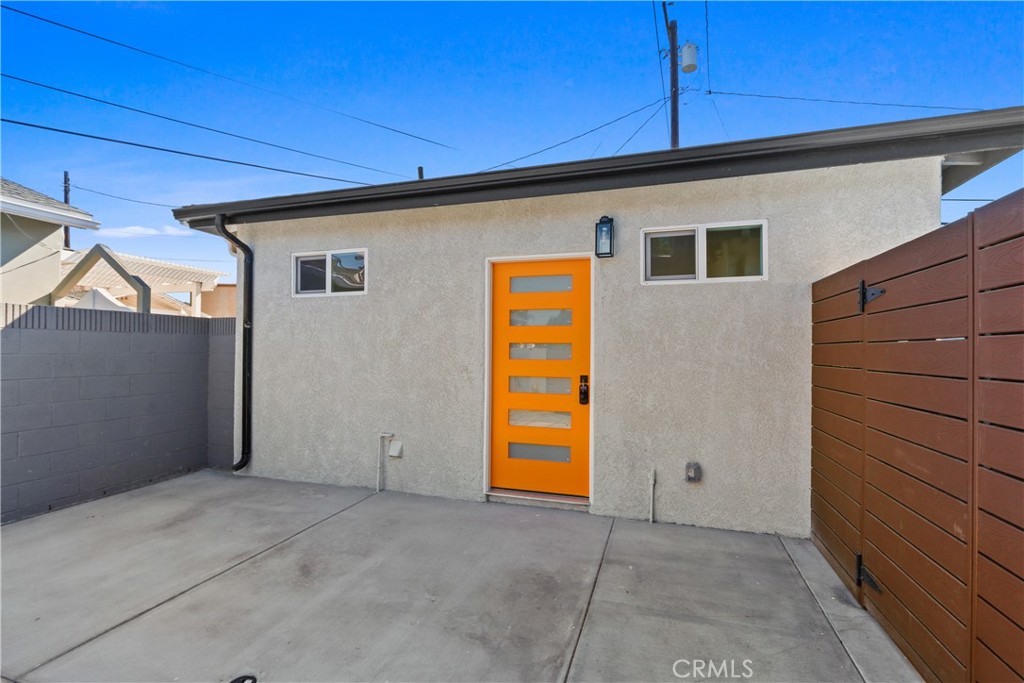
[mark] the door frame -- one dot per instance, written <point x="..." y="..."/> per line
<point x="488" y="355"/>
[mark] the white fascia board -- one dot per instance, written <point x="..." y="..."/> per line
<point x="47" y="214"/>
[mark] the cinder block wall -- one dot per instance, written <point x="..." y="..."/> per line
<point x="99" y="402"/>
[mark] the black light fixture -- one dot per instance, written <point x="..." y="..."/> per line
<point x="604" y="238"/>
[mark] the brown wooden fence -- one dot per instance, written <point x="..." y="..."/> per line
<point x="917" y="479"/>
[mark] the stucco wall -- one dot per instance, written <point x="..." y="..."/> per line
<point x="713" y="372"/>
<point x="29" y="259"/>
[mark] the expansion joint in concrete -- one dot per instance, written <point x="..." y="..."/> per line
<point x="586" y="608"/>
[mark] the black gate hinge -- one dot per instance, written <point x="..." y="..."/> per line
<point x="864" y="576"/>
<point x="868" y="294"/>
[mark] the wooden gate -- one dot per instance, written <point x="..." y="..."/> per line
<point x="917" y="463"/>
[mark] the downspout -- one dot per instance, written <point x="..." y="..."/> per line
<point x="246" y="342"/>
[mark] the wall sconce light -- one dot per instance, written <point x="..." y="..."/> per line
<point x="604" y="238"/>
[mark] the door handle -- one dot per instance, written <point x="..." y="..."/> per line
<point x="584" y="390"/>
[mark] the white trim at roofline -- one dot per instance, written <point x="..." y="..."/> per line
<point x="75" y="219"/>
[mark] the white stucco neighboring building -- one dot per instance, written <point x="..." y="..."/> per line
<point x="471" y="318"/>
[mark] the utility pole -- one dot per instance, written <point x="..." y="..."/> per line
<point x="673" y="57"/>
<point x="67" y="200"/>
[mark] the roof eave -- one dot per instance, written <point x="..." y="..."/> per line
<point x="26" y="209"/>
<point x="1001" y="129"/>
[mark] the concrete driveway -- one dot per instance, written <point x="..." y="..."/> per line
<point x="209" y="577"/>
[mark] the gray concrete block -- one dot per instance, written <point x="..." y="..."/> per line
<point x="188" y="460"/>
<point x="49" y="341"/>
<point x="10" y="392"/>
<point x="106" y="431"/>
<point x="48" y="440"/>
<point x="105" y="342"/>
<point x="130" y="406"/>
<point x="221" y="362"/>
<point x="89" y="457"/>
<point x="170" y="442"/>
<point x="106" y="386"/>
<point x="49" y="390"/>
<point x="80" y="365"/>
<point x="151" y="384"/>
<point x="191" y="343"/>
<point x="20" y="470"/>
<point x="24" y="366"/>
<point x="144" y="469"/>
<point x="147" y="425"/>
<point x="129" y="363"/>
<point x="10" y="340"/>
<point x="101" y="479"/>
<point x="220" y="456"/>
<point x="9" y="498"/>
<point x="20" y="418"/>
<point x="46" y="491"/>
<point x="79" y="412"/>
<point x="147" y="342"/>
<point x="9" y="446"/>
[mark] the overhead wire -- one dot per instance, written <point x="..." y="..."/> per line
<point x="226" y="78"/>
<point x="576" y="137"/>
<point x="819" y="99"/>
<point x="123" y="199"/>
<point x="642" y="126"/>
<point x="196" y="125"/>
<point x="177" y="151"/>
<point x="707" y="68"/>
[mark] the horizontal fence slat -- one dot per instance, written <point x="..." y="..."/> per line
<point x="849" y="406"/>
<point x="843" y="330"/>
<point x="940" y="624"/>
<point x="836" y="283"/>
<point x="840" y="451"/>
<point x="918" y="663"/>
<point x="945" y="244"/>
<point x="1002" y="636"/>
<point x="1001" y="403"/>
<point x="935" y="394"/>
<point x="850" y="380"/>
<point x="1001" y="496"/>
<point x="941" y="358"/>
<point x="1001" y="449"/>
<point x="838" y="355"/>
<point x="1001" y="589"/>
<point x="845" y="480"/>
<point x="1000" y="357"/>
<point x="1001" y="542"/>
<point x="844" y="557"/>
<point x="1001" y="311"/>
<point x="1000" y="266"/>
<point x="999" y="221"/>
<point x="948" y="551"/>
<point x="941" y="283"/>
<point x="933" y="578"/>
<point x="844" y="504"/>
<point x="939" y="508"/>
<point x="941" y="471"/>
<point x="840" y="306"/>
<point x="989" y="668"/>
<point x="844" y="531"/>
<point x="944" y="434"/>
<point x="842" y="428"/>
<point x="934" y="321"/>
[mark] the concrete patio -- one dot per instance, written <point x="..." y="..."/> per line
<point x="210" y="576"/>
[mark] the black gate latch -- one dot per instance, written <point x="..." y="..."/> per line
<point x="864" y="576"/>
<point x="868" y="294"/>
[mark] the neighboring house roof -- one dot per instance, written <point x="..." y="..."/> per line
<point x="971" y="143"/>
<point x="19" y="200"/>
<point x="161" y="276"/>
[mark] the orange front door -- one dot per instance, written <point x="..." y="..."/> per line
<point x="540" y="415"/>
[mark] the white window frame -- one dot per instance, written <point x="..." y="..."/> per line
<point x="294" y="286"/>
<point x="700" y="230"/>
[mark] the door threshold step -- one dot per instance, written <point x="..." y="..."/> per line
<point x="532" y="498"/>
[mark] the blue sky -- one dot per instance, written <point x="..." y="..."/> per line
<point x="493" y="80"/>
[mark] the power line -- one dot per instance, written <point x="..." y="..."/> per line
<point x="123" y="199"/>
<point x="661" y="69"/>
<point x="178" y="152"/>
<point x="707" y="46"/>
<point x="642" y="126"/>
<point x="576" y="137"/>
<point x="195" y="125"/>
<point x="816" y="99"/>
<point x="951" y="199"/>
<point x="226" y="78"/>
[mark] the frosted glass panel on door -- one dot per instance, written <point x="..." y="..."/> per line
<point x="540" y="317"/>
<point x="541" y="283"/>
<point x="540" y="385"/>
<point x="532" y="451"/>
<point x="540" y="351"/>
<point x="540" y="418"/>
